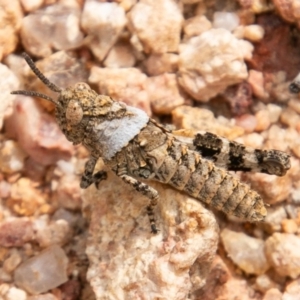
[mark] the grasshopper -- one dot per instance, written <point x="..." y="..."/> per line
<point x="138" y="149"/>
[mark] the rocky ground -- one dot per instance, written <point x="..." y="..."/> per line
<point x="213" y="65"/>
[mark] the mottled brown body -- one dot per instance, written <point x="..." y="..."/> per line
<point x="158" y="155"/>
<point x="137" y="148"/>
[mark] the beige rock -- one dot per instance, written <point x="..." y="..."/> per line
<point x="246" y="121"/>
<point x="273" y="294"/>
<point x="263" y="283"/>
<point x="164" y="93"/>
<point x="196" y="25"/>
<point x="120" y="56"/>
<point x="246" y="252"/>
<point x="31" y="5"/>
<point x="256" y="80"/>
<point x="253" y="32"/>
<point x="196" y="119"/>
<point x="26" y="198"/>
<point x="127" y="85"/>
<point x="10" y="22"/>
<point x="209" y="63"/>
<point x="103" y="22"/>
<point x="226" y="20"/>
<point x="158" y="64"/>
<point x="262" y="120"/>
<point x="8" y="83"/>
<point x="53" y="27"/>
<point x="15" y="293"/>
<point x="167" y="265"/>
<point x="12" y="157"/>
<point x="289" y="226"/>
<point x="292" y="291"/>
<point x="282" y="251"/>
<point x="157" y="24"/>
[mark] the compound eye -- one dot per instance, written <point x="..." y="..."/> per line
<point x="82" y="86"/>
<point x="74" y="112"/>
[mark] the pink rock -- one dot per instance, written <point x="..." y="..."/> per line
<point x="16" y="233"/>
<point x="37" y="132"/>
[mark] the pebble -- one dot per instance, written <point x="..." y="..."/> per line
<point x="289" y="226"/>
<point x="273" y="294"/>
<point x="120" y="56"/>
<point x="26" y="198"/>
<point x="164" y="93"/>
<point x="12" y="157"/>
<point x="196" y="25"/>
<point x="10" y="23"/>
<point x="37" y="132"/>
<point x="15" y="294"/>
<point x="158" y="31"/>
<point x="31" y="5"/>
<point x="246" y="121"/>
<point x="263" y="121"/>
<point x="282" y="251"/>
<point x="8" y="83"/>
<point x="44" y="271"/>
<point x="226" y="20"/>
<point x="211" y="62"/>
<point x="47" y="296"/>
<point x="103" y="22"/>
<point x="292" y="291"/>
<point x="52" y="27"/>
<point x="157" y="64"/>
<point x="256" y="80"/>
<point x="254" y="32"/>
<point x="274" y="218"/>
<point x="246" y="252"/>
<point x="16" y="233"/>
<point x="14" y="259"/>
<point x="263" y="283"/>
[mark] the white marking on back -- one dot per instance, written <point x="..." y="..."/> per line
<point x="115" y="134"/>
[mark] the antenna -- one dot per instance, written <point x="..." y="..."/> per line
<point x="42" y="77"/>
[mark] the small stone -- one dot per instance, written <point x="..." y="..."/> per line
<point x="211" y="62"/>
<point x="245" y="251"/>
<point x="274" y="112"/>
<point x="282" y="251"/>
<point x="196" y="25"/>
<point x="10" y="23"/>
<point x="294" y="104"/>
<point x="120" y="56"/>
<point x="16" y="233"/>
<point x="263" y="283"/>
<point x="226" y="20"/>
<point x="127" y="85"/>
<point x="5" y="277"/>
<point x="26" y="197"/>
<point x="273" y="294"/>
<point x="5" y="189"/>
<point x="103" y="22"/>
<point x="9" y="83"/>
<point x="15" y="293"/>
<point x="157" y="64"/>
<point x="289" y="226"/>
<point x="53" y="27"/>
<point x="292" y="291"/>
<point x="290" y="118"/>
<point x="254" y="32"/>
<point x="256" y="80"/>
<point x="164" y="93"/>
<point x="12" y="261"/>
<point x="158" y="31"/>
<point x="263" y="121"/>
<point x="44" y="271"/>
<point x="37" y="132"/>
<point x="47" y="296"/>
<point x="274" y="218"/>
<point x="246" y="121"/>
<point x="12" y="157"/>
<point x="31" y="5"/>
<point x="57" y="233"/>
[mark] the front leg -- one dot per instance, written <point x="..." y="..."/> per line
<point x="88" y="178"/>
<point x="147" y="191"/>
